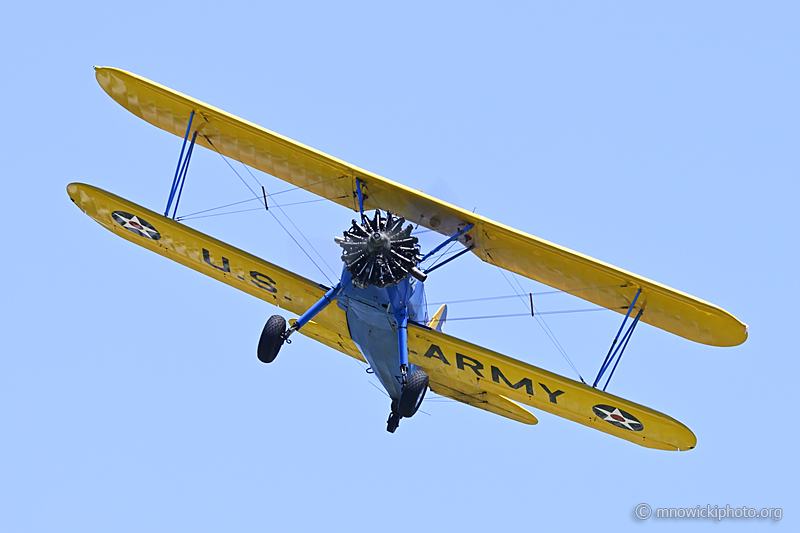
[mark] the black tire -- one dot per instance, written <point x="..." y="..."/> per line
<point x="413" y="393"/>
<point x="271" y="339"/>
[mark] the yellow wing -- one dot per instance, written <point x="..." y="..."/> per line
<point x="471" y="368"/>
<point x="540" y="260"/>
<point x="205" y="254"/>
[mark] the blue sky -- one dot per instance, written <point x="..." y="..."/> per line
<point x="661" y="139"/>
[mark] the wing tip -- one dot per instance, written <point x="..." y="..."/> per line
<point x="73" y="190"/>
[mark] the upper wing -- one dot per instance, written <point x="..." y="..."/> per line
<point x="495" y="243"/>
<point x="205" y="254"/>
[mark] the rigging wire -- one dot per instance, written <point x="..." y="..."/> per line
<point x="449" y="319"/>
<point x="194" y="216"/>
<point x="220" y="207"/>
<point x="442" y="255"/>
<point x="533" y="311"/>
<point x="293" y="225"/>
<point x="542" y="324"/>
<point x="274" y="216"/>
<point x="258" y="198"/>
<point x="516" y="295"/>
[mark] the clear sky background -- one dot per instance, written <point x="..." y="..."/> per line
<point x="659" y="138"/>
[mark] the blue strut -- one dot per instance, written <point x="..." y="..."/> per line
<point x="315" y="309"/>
<point x="174" y="187"/>
<point x="611" y="351"/>
<point x="360" y="200"/>
<point x="182" y="177"/>
<point x="402" y="336"/>
<point x="458" y="234"/>
<point x="627" y="337"/>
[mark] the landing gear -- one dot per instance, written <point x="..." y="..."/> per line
<point x="410" y="399"/>
<point x="272" y="338"/>
<point x="413" y="393"/>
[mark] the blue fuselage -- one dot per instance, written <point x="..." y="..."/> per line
<point x="374" y="316"/>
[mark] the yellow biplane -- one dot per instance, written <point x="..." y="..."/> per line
<point x="379" y="315"/>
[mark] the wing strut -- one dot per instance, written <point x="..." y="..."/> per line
<point x="625" y="338"/>
<point x="180" y="172"/>
<point x="458" y="234"/>
<point x="360" y="200"/>
<point x="443" y="263"/>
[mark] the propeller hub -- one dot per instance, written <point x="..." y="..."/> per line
<point x="378" y="241"/>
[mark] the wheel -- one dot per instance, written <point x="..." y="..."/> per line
<point x="271" y="339"/>
<point x="413" y="393"/>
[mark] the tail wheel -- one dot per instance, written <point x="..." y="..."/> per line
<point x="413" y="393"/>
<point x="392" y="423"/>
<point x="271" y="339"/>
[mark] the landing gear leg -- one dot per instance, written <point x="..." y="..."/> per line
<point x="275" y="333"/>
<point x="314" y="310"/>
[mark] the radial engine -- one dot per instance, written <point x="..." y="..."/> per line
<point x="380" y="252"/>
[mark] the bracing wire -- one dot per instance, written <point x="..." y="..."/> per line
<point x="259" y="200"/>
<point x="442" y="255"/>
<point x="194" y="216"/>
<point x="528" y="314"/>
<point x="276" y="218"/>
<point x="543" y="325"/>
<point x="293" y="225"/>
<point x="517" y="295"/>
<point x="273" y="214"/>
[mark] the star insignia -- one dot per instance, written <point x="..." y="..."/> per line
<point x="618" y="417"/>
<point x="135" y="224"/>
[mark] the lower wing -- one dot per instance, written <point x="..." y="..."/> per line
<point x="471" y="367"/>
<point x="205" y="254"/>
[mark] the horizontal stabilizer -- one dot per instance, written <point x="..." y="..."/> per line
<point x="439" y="319"/>
<point x="488" y="401"/>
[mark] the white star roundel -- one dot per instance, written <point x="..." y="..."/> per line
<point x="135" y="224"/>
<point x="618" y="417"/>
